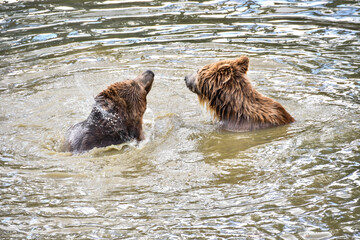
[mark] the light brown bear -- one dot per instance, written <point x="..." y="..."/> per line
<point x="227" y="92"/>
<point x="115" y="118"/>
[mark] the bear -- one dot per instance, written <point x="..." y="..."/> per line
<point x="226" y="91"/>
<point x="116" y="116"/>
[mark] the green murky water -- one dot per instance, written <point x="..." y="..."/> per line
<point x="187" y="180"/>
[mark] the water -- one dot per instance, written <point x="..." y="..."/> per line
<point x="187" y="180"/>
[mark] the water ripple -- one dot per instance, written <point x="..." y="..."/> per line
<point x="187" y="179"/>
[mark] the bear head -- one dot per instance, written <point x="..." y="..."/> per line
<point x="225" y="90"/>
<point x="115" y="118"/>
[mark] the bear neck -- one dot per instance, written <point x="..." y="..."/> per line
<point x="247" y="109"/>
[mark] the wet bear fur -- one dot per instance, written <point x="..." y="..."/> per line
<point x="229" y="95"/>
<point x="115" y="118"/>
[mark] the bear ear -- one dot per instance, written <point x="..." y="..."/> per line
<point x="243" y="63"/>
<point x="224" y="68"/>
<point x="226" y="71"/>
<point x="146" y="79"/>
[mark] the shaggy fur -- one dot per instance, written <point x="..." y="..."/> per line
<point x="228" y="94"/>
<point x="115" y="118"/>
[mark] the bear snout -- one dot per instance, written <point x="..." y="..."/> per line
<point x="190" y="82"/>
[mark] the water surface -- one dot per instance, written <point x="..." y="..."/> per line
<point x="188" y="179"/>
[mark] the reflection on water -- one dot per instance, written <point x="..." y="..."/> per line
<point x="188" y="179"/>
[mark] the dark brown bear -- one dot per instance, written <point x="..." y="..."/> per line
<point x="115" y="118"/>
<point x="227" y="92"/>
